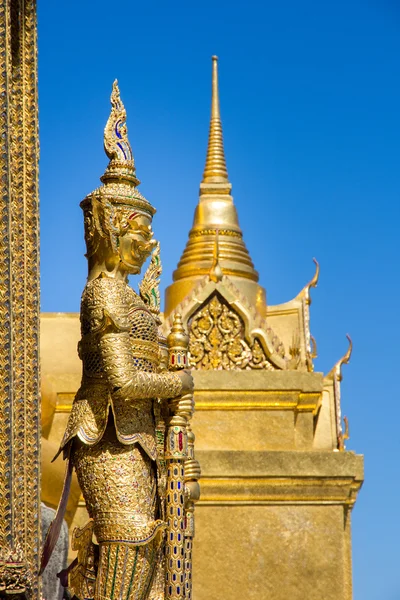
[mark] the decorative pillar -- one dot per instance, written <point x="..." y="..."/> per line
<point x="19" y="303"/>
<point x="175" y="455"/>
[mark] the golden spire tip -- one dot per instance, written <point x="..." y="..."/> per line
<point x="215" y="170"/>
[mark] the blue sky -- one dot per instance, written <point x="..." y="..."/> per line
<point x="310" y="99"/>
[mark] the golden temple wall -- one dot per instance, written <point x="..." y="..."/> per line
<point x="274" y="516"/>
<point x="276" y="496"/>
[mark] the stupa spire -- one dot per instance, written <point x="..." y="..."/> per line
<point x="215" y="225"/>
<point x="215" y="168"/>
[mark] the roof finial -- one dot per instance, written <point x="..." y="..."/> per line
<point x="215" y="170"/>
<point x="345" y="359"/>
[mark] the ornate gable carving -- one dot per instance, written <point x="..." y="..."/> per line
<point x="217" y="339"/>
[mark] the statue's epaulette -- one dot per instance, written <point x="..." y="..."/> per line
<point x="105" y="305"/>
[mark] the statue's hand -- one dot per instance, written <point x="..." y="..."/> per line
<point x="187" y="381"/>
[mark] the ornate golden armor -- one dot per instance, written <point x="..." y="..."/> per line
<point x="120" y="356"/>
<point x="119" y="351"/>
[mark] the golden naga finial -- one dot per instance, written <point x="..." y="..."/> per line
<point x="311" y="284"/>
<point x="216" y="273"/>
<point x="335" y="375"/>
<point x="215" y="170"/>
<point x="305" y="298"/>
<point x="336" y="371"/>
<point x="344" y="360"/>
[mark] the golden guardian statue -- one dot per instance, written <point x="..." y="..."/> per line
<point x="129" y="401"/>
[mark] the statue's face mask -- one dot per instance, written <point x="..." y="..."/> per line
<point x="135" y="241"/>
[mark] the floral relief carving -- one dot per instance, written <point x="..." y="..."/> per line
<point x="217" y="340"/>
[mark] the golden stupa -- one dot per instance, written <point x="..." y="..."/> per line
<point x="278" y="486"/>
<point x="215" y="213"/>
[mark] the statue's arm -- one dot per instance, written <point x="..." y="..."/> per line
<point x="127" y="382"/>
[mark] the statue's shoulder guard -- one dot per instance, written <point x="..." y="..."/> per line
<point x="105" y="306"/>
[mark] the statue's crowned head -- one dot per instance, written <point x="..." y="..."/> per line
<point x="117" y="217"/>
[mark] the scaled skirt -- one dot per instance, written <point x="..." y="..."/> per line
<point x="119" y="485"/>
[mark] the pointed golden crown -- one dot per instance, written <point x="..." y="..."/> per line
<point x="119" y="180"/>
